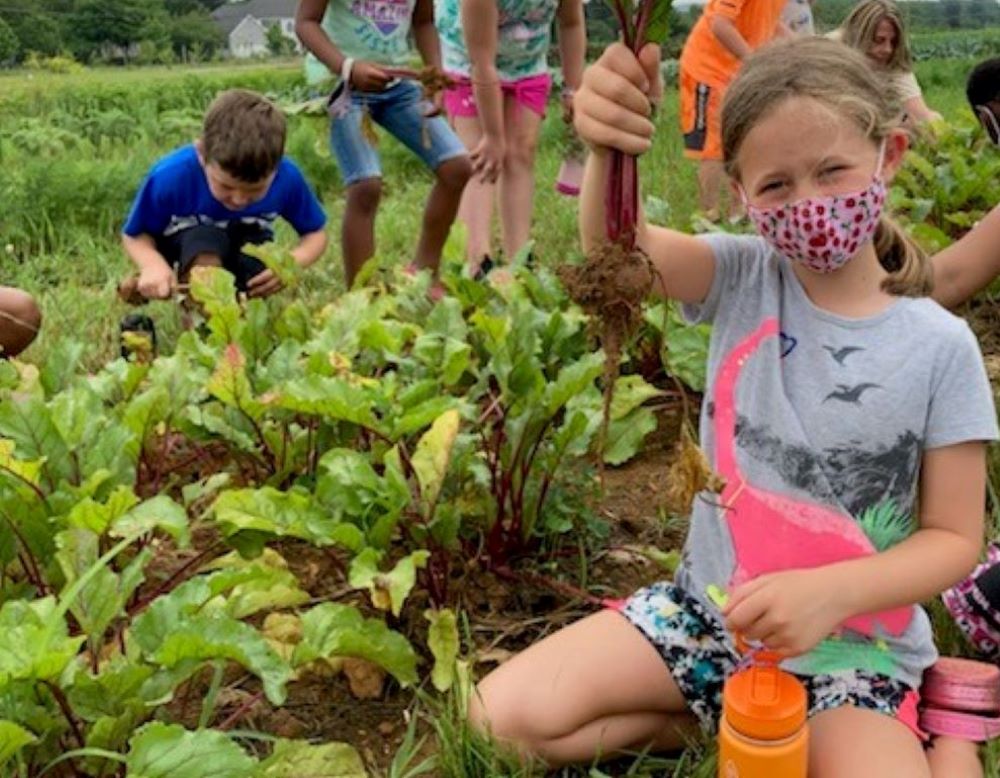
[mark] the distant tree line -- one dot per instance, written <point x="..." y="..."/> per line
<point x="94" y="30"/>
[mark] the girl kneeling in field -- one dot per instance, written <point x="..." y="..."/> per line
<point x="834" y="385"/>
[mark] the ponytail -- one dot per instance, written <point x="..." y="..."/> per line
<point x="909" y="267"/>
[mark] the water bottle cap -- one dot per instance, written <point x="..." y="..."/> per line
<point x="764" y="702"/>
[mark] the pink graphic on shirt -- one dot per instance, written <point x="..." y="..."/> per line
<point x="386" y="15"/>
<point x="772" y="532"/>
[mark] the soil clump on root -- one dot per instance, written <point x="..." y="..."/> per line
<point x="611" y="286"/>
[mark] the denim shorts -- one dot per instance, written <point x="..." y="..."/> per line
<point x="700" y="654"/>
<point x="400" y="110"/>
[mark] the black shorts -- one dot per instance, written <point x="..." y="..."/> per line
<point x="182" y="248"/>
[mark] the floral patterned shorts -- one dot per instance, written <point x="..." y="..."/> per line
<point x="700" y="654"/>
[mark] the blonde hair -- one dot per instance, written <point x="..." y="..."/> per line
<point x="842" y="80"/>
<point x="858" y="31"/>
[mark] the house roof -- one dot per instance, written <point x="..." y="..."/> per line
<point x="231" y="14"/>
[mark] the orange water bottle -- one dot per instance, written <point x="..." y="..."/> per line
<point x="763" y="731"/>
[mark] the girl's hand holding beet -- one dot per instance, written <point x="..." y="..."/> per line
<point x="613" y="106"/>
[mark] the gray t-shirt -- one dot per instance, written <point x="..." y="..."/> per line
<point x="818" y="423"/>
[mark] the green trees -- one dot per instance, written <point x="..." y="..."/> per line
<point x="107" y="29"/>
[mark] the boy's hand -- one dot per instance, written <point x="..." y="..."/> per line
<point x="487" y="159"/>
<point x="613" y="106"/>
<point x="264" y="284"/>
<point x="369" y="77"/>
<point x="157" y="282"/>
<point x="789" y="612"/>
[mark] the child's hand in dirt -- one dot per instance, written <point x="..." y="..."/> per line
<point x="789" y="612"/>
<point x="613" y="106"/>
<point x="264" y="284"/>
<point x="369" y="77"/>
<point x="487" y="159"/>
<point x="157" y="283"/>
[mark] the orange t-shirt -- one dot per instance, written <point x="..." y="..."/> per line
<point x="706" y="59"/>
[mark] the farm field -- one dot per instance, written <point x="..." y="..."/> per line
<point x="190" y="548"/>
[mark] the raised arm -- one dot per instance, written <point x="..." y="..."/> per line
<point x="970" y="264"/>
<point x="613" y="110"/>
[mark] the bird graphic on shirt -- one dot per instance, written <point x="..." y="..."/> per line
<point x="840" y="354"/>
<point x="850" y="394"/>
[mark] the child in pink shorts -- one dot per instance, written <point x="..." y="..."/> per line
<point x="495" y="50"/>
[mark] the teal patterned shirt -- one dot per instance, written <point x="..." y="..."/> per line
<point x="523" y="37"/>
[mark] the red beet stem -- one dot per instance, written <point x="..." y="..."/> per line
<point x="621" y="201"/>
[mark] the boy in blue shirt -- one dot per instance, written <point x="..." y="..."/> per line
<point x="203" y="202"/>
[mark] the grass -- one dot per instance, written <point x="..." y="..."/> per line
<point x="64" y="203"/>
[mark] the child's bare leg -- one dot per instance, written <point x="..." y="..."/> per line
<point x="596" y="687"/>
<point x="517" y="181"/>
<point x="476" y="208"/>
<point x="950" y="757"/>
<point x="357" y="231"/>
<point x="442" y="205"/>
<point x="849" y="742"/>
<point x="711" y="175"/>
<point x="20" y="320"/>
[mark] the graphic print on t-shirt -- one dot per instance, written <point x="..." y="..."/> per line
<point x="385" y="15"/>
<point x="772" y="532"/>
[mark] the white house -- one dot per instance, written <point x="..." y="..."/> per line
<point x="245" y="24"/>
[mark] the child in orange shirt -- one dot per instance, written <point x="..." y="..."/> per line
<point x="726" y="33"/>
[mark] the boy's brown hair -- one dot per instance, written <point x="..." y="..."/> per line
<point x="244" y="134"/>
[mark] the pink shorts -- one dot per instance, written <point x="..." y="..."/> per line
<point x="531" y="92"/>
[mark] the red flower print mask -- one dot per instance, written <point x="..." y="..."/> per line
<point x="822" y="233"/>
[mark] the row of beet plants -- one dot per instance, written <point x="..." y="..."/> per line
<point x="151" y="514"/>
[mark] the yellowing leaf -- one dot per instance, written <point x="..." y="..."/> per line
<point x="442" y="639"/>
<point x="25" y="470"/>
<point x="433" y="454"/>
<point x="230" y="385"/>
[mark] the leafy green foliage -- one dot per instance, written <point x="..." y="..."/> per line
<point x="947" y="184"/>
<point x="333" y="630"/>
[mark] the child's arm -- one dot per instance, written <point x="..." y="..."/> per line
<point x="724" y="30"/>
<point x="572" y="49"/>
<point x="366" y="76"/>
<point x="156" y="278"/>
<point x="311" y="247"/>
<point x="479" y="24"/>
<point x="425" y="35"/>
<point x="918" y="112"/>
<point x="613" y="111"/>
<point x="792" y="611"/>
<point x="968" y="265"/>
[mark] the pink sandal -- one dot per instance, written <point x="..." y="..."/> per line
<point x="963" y="700"/>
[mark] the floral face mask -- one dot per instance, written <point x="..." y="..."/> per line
<point x="822" y="233"/>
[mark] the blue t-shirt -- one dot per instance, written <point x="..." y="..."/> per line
<point x="175" y="197"/>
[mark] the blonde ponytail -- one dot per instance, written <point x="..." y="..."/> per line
<point x="909" y="267"/>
